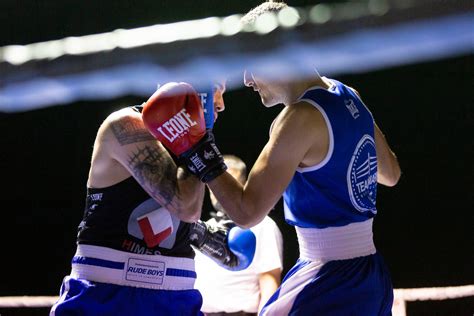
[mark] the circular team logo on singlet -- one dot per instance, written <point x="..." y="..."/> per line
<point x="362" y="175"/>
<point x="154" y="224"/>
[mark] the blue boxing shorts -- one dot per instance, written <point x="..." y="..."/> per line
<point x="109" y="282"/>
<point x="341" y="276"/>
<point x="82" y="297"/>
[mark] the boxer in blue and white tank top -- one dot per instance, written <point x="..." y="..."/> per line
<point x="332" y="205"/>
<point x="326" y="156"/>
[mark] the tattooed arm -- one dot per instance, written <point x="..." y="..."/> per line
<point x="130" y="144"/>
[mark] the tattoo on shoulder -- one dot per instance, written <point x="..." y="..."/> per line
<point x="155" y="170"/>
<point x="129" y="132"/>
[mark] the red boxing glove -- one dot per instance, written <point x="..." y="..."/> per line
<point x="174" y="115"/>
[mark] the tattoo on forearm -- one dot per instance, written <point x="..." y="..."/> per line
<point x="130" y="132"/>
<point x="156" y="171"/>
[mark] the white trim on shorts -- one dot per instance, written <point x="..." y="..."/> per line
<point x="105" y="265"/>
<point x="62" y="298"/>
<point x="317" y="247"/>
<point x="291" y="288"/>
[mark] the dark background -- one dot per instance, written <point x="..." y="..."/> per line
<point x="424" y="227"/>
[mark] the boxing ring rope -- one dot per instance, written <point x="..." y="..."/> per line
<point x="399" y="307"/>
<point x="27" y="301"/>
<point x="428" y="294"/>
<point x="132" y="62"/>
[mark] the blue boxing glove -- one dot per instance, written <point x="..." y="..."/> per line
<point x="233" y="249"/>
<point x="207" y="102"/>
<point x="242" y="243"/>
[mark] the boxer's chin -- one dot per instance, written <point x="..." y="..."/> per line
<point x="268" y="102"/>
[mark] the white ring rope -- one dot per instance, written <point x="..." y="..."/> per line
<point x="27" y="301"/>
<point x="434" y="293"/>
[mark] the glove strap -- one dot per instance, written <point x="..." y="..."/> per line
<point x="205" y="160"/>
<point x="198" y="233"/>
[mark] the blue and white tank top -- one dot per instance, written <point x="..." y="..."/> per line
<point x="342" y="188"/>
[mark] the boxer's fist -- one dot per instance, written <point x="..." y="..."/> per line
<point x="242" y="243"/>
<point x="233" y="249"/>
<point x="174" y="116"/>
<point x="204" y="159"/>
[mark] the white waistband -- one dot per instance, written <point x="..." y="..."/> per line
<point x="336" y="243"/>
<point x="107" y="265"/>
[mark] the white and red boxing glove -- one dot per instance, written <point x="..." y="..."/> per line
<point x="174" y="116"/>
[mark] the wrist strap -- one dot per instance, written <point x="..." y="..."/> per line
<point x="205" y="160"/>
<point x="214" y="173"/>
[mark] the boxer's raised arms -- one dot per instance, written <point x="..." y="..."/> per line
<point x="124" y="147"/>
<point x="174" y="115"/>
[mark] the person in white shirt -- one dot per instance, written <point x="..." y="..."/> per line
<point x="241" y="292"/>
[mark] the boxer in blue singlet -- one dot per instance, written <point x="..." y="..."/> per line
<point x="325" y="155"/>
<point x="134" y="254"/>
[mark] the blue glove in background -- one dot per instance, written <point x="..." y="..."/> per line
<point x="242" y="243"/>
